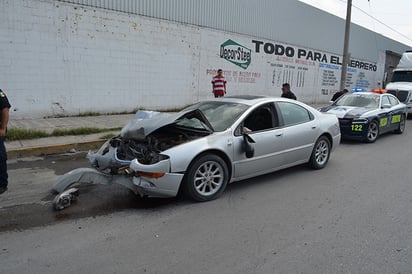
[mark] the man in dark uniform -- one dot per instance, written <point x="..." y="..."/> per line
<point x="339" y="94"/>
<point x="287" y="93"/>
<point x="4" y="119"/>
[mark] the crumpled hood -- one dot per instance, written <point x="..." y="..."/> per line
<point x="346" y="111"/>
<point x="145" y="122"/>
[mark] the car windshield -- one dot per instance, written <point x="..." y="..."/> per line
<point x="359" y="100"/>
<point x="220" y="115"/>
<point x="402" y="76"/>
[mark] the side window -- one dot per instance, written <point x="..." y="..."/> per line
<point x="293" y="114"/>
<point x="393" y="101"/>
<point x="385" y="100"/>
<point x="262" y="118"/>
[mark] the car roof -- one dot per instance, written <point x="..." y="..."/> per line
<point x="251" y="100"/>
<point x="370" y="93"/>
<point x="244" y="99"/>
<point x="364" y="93"/>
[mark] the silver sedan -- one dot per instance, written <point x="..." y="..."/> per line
<point x="202" y="148"/>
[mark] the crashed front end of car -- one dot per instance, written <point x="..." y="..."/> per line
<point x="137" y="158"/>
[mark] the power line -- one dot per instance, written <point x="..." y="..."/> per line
<point x="389" y="27"/>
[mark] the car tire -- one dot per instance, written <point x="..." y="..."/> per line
<point x="402" y="124"/>
<point x="206" y="178"/>
<point x="373" y="132"/>
<point x="321" y="153"/>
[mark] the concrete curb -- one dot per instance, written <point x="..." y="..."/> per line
<point x="53" y="149"/>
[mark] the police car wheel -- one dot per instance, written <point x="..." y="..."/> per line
<point x="373" y="132"/>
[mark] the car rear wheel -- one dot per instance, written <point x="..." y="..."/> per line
<point x="321" y="153"/>
<point x="373" y="132"/>
<point x="206" y="178"/>
<point x="402" y="123"/>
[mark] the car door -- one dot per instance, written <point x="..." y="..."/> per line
<point x="299" y="131"/>
<point x="396" y="112"/>
<point x="385" y="114"/>
<point x="262" y="126"/>
<point x="287" y="142"/>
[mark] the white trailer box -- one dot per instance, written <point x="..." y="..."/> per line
<point x="401" y="82"/>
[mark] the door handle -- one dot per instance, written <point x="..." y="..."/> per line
<point x="279" y="134"/>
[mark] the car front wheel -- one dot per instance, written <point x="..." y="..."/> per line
<point x="206" y="178"/>
<point x="321" y="153"/>
<point x="373" y="132"/>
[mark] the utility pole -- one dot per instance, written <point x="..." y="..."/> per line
<point x="346" y="46"/>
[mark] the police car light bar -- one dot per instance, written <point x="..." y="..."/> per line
<point x="379" y="90"/>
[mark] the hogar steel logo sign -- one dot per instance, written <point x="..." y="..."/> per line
<point x="235" y="53"/>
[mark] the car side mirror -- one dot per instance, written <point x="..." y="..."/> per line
<point x="386" y="106"/>
<point x="248" y="145"/>
<point x="245" y="130"/>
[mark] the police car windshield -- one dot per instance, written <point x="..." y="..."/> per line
<point x="359" y="100"/>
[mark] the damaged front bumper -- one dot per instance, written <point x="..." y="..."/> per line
<point x="155" y="180"/>
<point x="145" y="180"/>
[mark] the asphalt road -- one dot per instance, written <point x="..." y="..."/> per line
<point x="351" y="217"/>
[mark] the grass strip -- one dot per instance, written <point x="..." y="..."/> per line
<point x="15" y="134"/>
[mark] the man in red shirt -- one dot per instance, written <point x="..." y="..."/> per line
<point x="219" y="84"/>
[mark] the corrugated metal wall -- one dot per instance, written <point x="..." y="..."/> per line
<point x="279" y="20"/>
<point x="230" y="15"/>
<point x="287" y="21"/>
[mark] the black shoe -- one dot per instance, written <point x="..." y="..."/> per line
<point x="3" y="189"/>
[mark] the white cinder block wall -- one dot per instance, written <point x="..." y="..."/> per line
<point x="60" y="59"/>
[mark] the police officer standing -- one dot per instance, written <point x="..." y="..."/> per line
<point x="339" y="94"/>
<point x="287" y="93"/>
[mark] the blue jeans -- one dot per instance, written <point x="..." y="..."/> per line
<point x="3" y="164"/>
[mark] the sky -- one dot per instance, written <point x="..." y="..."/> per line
<point x="391" y="18"/>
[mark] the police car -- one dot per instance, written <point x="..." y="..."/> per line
<point x="366" y="115"/>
